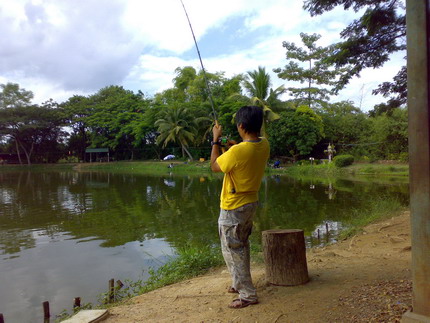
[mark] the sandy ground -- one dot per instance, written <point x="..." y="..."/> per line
<point x="362" y="279"/>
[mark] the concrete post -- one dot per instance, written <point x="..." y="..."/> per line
<point x="418" y="22"/>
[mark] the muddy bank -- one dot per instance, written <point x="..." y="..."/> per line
<point x="363" y="279"/>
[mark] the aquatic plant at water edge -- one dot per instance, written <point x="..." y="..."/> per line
<point x="377" y="208"/>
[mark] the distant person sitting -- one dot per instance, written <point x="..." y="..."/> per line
<point x="276" y="164"/>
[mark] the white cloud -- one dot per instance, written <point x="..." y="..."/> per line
<point x="58" y="48"/>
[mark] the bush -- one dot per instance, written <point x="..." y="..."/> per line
<point x="343" y="160"/>
<point x="404" y="157"/>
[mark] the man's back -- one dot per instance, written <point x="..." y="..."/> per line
<point x="244" y="166"/>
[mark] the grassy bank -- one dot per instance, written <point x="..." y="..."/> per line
<point x="324" y="170"/>
<point x="190" y="262"/>
<point x="148" y="167"/>
<point x="330" y="170"/>
<point x="36" y="167"/>
<point x="378" y="208"/>
<point x="196" y="167"/>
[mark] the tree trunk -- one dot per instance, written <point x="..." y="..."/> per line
<point x="28" y="153"/>
<point x="188" y="153"/>
<point x="18" y="152"/>
<point x="285" y="257"/>
<point x="157" y="152"/>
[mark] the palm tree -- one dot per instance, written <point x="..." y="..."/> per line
<point x="258" y="85"/>
<point x="176" y="125"/>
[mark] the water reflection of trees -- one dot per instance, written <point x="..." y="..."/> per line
<point x="114" y="208"/>
<point x="310" y="204"/>
<point x="119" y="208"/>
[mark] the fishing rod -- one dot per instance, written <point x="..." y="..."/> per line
<point x="203" y="68"/>
<point x="224" y="141"/>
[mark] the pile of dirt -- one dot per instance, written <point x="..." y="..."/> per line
<point x="362" y="279"/>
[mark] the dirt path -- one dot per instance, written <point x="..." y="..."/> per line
<point x="363" y="279"/>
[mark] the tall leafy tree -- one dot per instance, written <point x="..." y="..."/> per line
<point x="114" y="109"/>
<point x="258" y="84"/>
<point x="190" y="92"/>
<point x="12" y="96"/>
<point x="389" y="135"/>
<point x="369" y="41"/>
<point x="176" y="125"/>
<point x="77" y="110"/>
<point x="30" y="128"/>
<point x="345" y="126"/>
<point x="307" y="66"/>
<point x="295" y="133"/>
<point x="33" y="129"/>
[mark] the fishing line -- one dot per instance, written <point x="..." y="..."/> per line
<point x="203" y="68"/>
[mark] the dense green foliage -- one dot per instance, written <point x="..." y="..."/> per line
<point x="295" y="133"/>
<point x="343" y="160"/>
<point x="134" y="127"/>
<point x="369" y="41"/>
<point x="34" y="131"/>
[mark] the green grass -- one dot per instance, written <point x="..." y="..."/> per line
<point x="35" y="167"/>
<point x="315" y="170"/>
<point x="379" y="208"/>
<point x="196" y="167"/>
<point x="379" y="169"/>
<point x="150" y="167"/>
<point x="191" y="262"/>
<point x="330" y="170"/>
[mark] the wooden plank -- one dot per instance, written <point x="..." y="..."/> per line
<point x="88" y="316"/>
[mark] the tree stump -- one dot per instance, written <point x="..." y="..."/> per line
<point x="285" y="257"/>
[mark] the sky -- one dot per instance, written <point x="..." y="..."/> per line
<point x="61" y="48"/>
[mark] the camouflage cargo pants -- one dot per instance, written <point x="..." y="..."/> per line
<point x="235" y="226"/>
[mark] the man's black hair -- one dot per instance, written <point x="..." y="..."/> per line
<point x="251" y="118"/>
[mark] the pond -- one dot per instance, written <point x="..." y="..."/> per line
<point x="65" y="234"/>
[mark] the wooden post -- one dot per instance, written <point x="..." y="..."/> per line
<point x="111" y="290"/>
<point x="46" y="312"/>
<point x="76" y="302"/>
<point x="1" y="318"/>
<point x="119" y="284"/>
<point x="418" y="56"/>
<point x="285" y="257"/>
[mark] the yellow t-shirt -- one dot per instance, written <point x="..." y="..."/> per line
<point x="243" y="167"/>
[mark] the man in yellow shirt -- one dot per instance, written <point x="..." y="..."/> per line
<point x="243" y="167"/>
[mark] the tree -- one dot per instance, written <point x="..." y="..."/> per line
<point x="257" y="84"/>
<point x="77" y="110"/>
<point x="389" y="135"/>
<point x="190" y="92"/>
<point x="344" y="126"/>
<point x="295" y="133"/>
<point x="316" y="75"/>
<point x="368" y="41"/>
<point x="32" y="128"/>
<point x="11" y="95"/>
<point x="176" y="125"/>
<point x="114" y="110"/>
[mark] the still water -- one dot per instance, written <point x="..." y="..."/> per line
<point x="65" y="234"/>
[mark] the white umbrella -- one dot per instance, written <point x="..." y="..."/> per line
<point x="168" y="157"/>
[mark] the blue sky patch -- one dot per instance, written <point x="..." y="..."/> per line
<point x="232" y="36"/>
